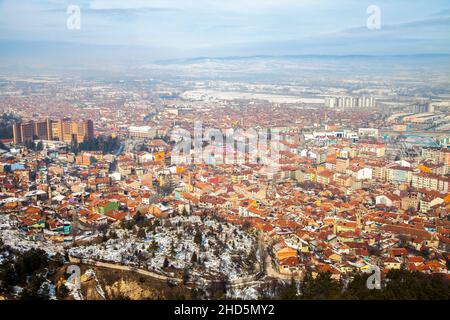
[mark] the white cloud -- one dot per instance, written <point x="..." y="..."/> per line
<point x="203" y="5"/>
<point x="215" y="24"/>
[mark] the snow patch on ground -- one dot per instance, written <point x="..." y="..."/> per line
<point x="74" y="290"/>
<point x="248" y="293"/>
<point x="223" y="249"/>
<point x="49" y="288"/>
<point x="17" y="240"/>
<point x="90" y="273"/>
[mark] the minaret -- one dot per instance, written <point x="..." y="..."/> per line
<point x="301" y="139"/>
<point x="358" y="219"/>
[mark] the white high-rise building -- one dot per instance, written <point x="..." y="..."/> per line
<point x="350" y="102"/>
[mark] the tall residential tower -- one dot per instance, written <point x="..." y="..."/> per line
<point x="65" y="130"/>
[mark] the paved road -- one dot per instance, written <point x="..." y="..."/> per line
<point x="233" y="283"/>
<point x="268" y="268"/>
<point x="121" y="267"/>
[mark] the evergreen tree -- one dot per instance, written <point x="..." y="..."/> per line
<point x="289" y="291"/>
<point x="62" y="292"/>
<point x="198" y="237"/>
<point x="141" y="233"/>
<point x="166" y="263"/>
<point x="194" y="258"/>
<point x="40" y="146"/>
<point x="186" y="276"/>
<point x="172" y="249"/>
<point x="323" y="287"/>
<point x="154" y="246"/>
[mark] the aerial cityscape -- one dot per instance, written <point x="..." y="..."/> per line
<point x="218" y="170"/>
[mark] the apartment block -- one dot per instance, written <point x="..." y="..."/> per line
<point x="65" y="130"/>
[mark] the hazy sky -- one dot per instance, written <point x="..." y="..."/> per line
<point x="189" y="28"/>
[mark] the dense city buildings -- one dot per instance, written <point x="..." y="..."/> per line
<point x="351" y="189"/>
<point x="237" y="159"/>
<point x="180" y="180"/>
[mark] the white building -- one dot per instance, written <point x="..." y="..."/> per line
<point x="142" y="132"/>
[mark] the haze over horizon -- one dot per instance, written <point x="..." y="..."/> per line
<point x="150" y="30"/>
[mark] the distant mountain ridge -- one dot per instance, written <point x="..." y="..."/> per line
<point x="297" y="57"/>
